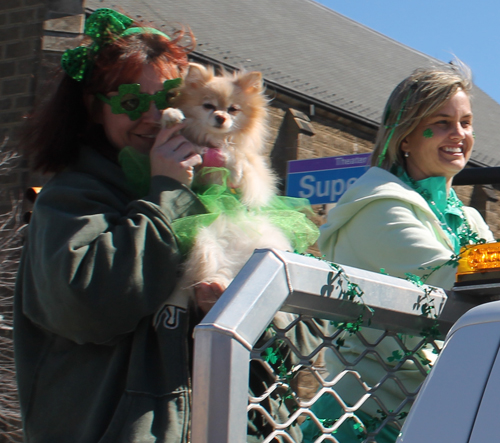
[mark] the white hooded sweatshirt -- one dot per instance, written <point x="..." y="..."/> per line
<point x="380" y="222"/>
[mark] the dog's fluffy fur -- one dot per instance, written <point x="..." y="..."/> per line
<point x="228" y="114"/>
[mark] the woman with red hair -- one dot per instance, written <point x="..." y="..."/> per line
<point x="102" y="348"/>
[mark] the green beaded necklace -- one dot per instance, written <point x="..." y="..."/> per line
<point x="463" y="235"/>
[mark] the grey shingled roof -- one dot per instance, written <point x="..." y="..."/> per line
<point x="308" y="49"/>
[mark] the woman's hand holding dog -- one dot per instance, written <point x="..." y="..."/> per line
<point x="206" y="294"/>
<point x="174" y="156"/>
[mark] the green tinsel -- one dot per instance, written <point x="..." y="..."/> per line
<point x="287" y="213"/>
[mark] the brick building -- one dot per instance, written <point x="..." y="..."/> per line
<point x="24" y="56"/>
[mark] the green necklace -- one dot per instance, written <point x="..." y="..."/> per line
<point x="463" y="235"/>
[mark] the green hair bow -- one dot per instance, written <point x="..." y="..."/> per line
<point x="102" y="27"/>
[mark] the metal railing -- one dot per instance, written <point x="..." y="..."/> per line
<point x="278" y="318"/>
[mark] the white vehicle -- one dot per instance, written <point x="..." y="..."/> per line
<point x="460" y="399"/>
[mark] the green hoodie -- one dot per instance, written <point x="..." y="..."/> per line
<point x="98" y="263"/>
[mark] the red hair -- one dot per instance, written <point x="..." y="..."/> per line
<point x="61" y="123"/>
<point x="122" y="61"/>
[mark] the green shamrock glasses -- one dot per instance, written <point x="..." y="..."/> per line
<point x="132" y="102"/>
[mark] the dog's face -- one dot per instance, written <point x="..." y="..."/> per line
<point x="217" y="114"/>
<point x="221" y="106"/>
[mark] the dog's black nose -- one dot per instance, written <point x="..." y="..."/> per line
<point x="220" y="119"/>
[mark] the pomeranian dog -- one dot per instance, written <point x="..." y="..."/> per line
<point x="227" y="114"/>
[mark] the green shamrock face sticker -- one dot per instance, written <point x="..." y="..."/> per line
<point x="132" y="102"/>
<point x="428" y="133"/>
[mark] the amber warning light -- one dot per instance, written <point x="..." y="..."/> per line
<point x="479" y="262"/>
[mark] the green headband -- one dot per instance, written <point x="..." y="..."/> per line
<point x="103" y="26"/>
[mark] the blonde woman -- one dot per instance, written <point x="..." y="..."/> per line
<point x="403" y="216"/>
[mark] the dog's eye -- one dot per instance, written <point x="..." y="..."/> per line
<point x="233" y="109"/>
<point x="209" y="106"/>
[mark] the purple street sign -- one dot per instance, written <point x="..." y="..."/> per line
<point x="324" y="180"/>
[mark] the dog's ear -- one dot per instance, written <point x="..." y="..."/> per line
<point x="197" y="75"/>
<point x="250" y="81"/>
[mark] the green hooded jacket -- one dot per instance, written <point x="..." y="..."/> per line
<point x="94" y="363"/>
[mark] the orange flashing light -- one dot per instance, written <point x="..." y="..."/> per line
<point x="478" y="259"/>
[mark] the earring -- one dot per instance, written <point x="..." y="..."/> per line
<point x="406" y="154"/>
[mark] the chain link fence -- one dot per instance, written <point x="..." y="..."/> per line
<point x="304" y="401"/>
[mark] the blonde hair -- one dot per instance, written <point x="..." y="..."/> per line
<point x="415" y="98"/>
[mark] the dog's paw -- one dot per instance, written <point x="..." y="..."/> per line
<point x="171" y="116"/>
